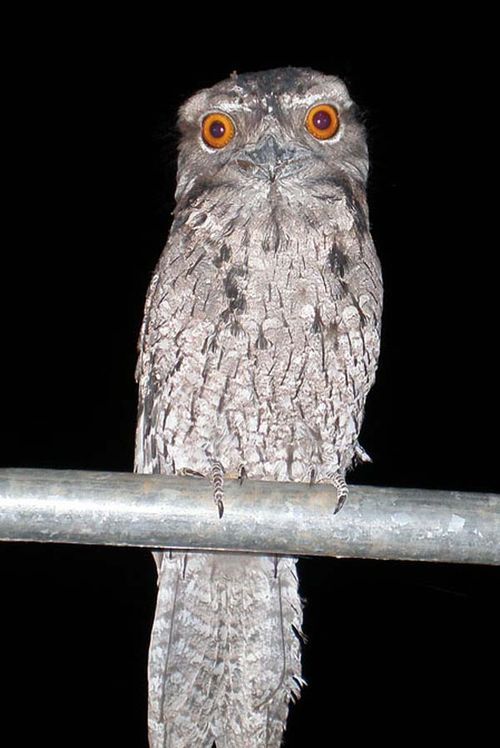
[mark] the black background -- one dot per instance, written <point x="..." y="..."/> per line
<point x="395" y="650"/>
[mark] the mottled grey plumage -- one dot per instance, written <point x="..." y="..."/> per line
<point x="259" y="345"/>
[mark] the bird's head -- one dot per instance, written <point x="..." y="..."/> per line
<point x="270" y="134"/>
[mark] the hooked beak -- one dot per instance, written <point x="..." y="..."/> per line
<point x="269" y="159"/>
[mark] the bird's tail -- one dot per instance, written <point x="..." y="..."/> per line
<point x="224" y="658"/>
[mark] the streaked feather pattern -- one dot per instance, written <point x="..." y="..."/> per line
<point x="224" y="656"/>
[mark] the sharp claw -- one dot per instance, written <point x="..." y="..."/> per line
<point x="189" y="473"/>
<point x="242" y="476"/>
<point x="361" y="454"/>
<point x="340" y="503"/>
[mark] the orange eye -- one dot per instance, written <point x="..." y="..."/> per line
<point x="217" y="130"/>
<point x="322" y="121"/>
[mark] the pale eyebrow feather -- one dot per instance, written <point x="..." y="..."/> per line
<point x="233" y="106"/>
<point x="315" y="98"/>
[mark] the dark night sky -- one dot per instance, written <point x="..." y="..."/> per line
<point x="93" y="140"/>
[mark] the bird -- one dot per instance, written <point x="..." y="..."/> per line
<point x="258" y="347"/>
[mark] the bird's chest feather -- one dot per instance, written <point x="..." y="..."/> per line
<point x="262" y="321"/>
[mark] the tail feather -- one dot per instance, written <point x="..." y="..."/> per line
<point x="224" y="655"/>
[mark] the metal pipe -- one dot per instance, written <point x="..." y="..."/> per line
<point x="157" y="511"/>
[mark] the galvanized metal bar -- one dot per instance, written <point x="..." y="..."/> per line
<point x="154" y="511"/>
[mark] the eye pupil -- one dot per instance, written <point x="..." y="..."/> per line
<point x="322" y="120"/>
<point x="217" y="129"/>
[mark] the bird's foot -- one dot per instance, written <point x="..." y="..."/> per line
<point x="218" y="485"/>
<point x="338" y="481"/>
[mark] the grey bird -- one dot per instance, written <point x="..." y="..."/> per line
<point x="258" y="348"/>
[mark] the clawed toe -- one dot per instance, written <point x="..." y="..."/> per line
<point x="242" y="475"/>
<point x="218" y="486"/>
<point x="341" y="500"/>
<point x="342" y="491"/>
